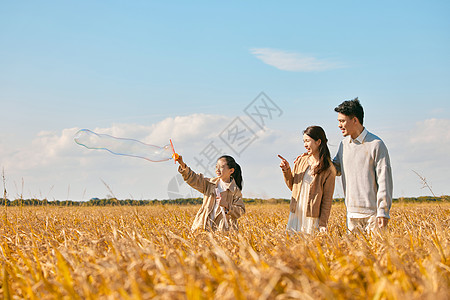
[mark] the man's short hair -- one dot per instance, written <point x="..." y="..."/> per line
<point x="351" y="108"/>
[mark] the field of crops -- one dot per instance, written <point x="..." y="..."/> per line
<point x="146" y="252"/>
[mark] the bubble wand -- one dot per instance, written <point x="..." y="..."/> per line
<point x="174" y="154"/>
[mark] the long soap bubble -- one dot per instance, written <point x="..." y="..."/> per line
<point x="123" y="146"/>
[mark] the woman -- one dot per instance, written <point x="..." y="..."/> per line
<point x="312" y="184"/>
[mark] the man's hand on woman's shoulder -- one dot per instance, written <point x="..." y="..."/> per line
<point x="300" y="156"/>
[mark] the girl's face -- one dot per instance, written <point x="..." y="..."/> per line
<point x="223" y="171"/>
<point x="310" y="144"/>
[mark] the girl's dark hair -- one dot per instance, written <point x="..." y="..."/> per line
<point x="237" y="174"/>
<point x="317" y="133"/>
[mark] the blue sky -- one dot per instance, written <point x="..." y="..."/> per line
<point x="146" y="70"/>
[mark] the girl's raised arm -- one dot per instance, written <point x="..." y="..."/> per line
<point x="196" y="181"/>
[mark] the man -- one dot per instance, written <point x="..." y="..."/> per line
<point x="363" y="162"/>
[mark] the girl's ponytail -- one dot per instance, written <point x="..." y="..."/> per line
<point x="237" y="174"/>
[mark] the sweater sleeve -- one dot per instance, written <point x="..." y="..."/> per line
<point x="384" y="181"/>
<point x="196" y="181"/>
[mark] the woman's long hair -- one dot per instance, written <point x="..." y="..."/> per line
<point x="317" y="133"/>
<point x="237" y="174"/>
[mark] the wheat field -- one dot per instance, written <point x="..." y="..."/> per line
<point x="149" y="252"/>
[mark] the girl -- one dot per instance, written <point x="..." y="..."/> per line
<point x="311" y="182"/>
<point x="222" y="200"/>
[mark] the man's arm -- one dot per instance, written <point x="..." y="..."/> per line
<point x="384" y="182"/>
<point x="337" y="160"/>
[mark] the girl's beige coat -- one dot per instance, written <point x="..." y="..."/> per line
<point x="233" y="198"/>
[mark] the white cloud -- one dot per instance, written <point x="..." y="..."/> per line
<point x="291" y="61"/>
<point x="432" y="133"/>
<point x="423" y="148"/>
<point x="52" y="165"/>
<point x="53" y="159"/>
<point x="51" y="148"/>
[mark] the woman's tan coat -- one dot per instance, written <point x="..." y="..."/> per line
<point x="234" y="205"/>
<point x="320" y="192"/>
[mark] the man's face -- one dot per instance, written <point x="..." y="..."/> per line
<point x="347" y="124"/>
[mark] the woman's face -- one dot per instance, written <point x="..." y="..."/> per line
<point x="310" y="144"/>
<point x="223" y="171"/>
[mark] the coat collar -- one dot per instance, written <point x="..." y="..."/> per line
<point x="233" y="185"/>
<point x="359" y="139"/>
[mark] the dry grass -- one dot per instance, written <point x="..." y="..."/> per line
<point x="145" y="252"/>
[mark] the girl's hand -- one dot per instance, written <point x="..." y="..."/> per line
<point x="180" y="161"/>
<point x="322" y="229"/>
<point x="284" y="165"/>
<point x="223" y="203"/>
<point x="300" y="156"/>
